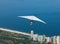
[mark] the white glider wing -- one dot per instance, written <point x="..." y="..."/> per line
<point x="32" y="18"/>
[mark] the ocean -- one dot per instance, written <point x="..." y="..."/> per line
<point x="47" y="10"/>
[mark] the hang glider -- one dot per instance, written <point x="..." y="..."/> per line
<point x="33" y="18"/>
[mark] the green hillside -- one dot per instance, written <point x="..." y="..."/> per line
<point x="13" y="38"/>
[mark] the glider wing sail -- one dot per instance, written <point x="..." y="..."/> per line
<point x="32" y="18"/>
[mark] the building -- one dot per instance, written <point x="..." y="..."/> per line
<point x="41" y="38"/>
<point x="58" y="39"/>
<point x="35" y="37"/>
<point x="48" y="39"/>
<point x="54" y="40"/>
<point x="32" y="33"/>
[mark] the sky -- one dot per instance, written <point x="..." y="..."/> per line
<point x="47" y="10"/>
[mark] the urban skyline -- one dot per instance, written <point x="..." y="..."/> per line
<point x="36" y="37"/>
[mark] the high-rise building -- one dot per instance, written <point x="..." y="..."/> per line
<point x="35" y="37"/>
<point x="54" y="39"/>
<point x="40" y="38"/>
<point x="58" y="39"/>
<point x="48" y="39"/>
<point x="32" y="33"/>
